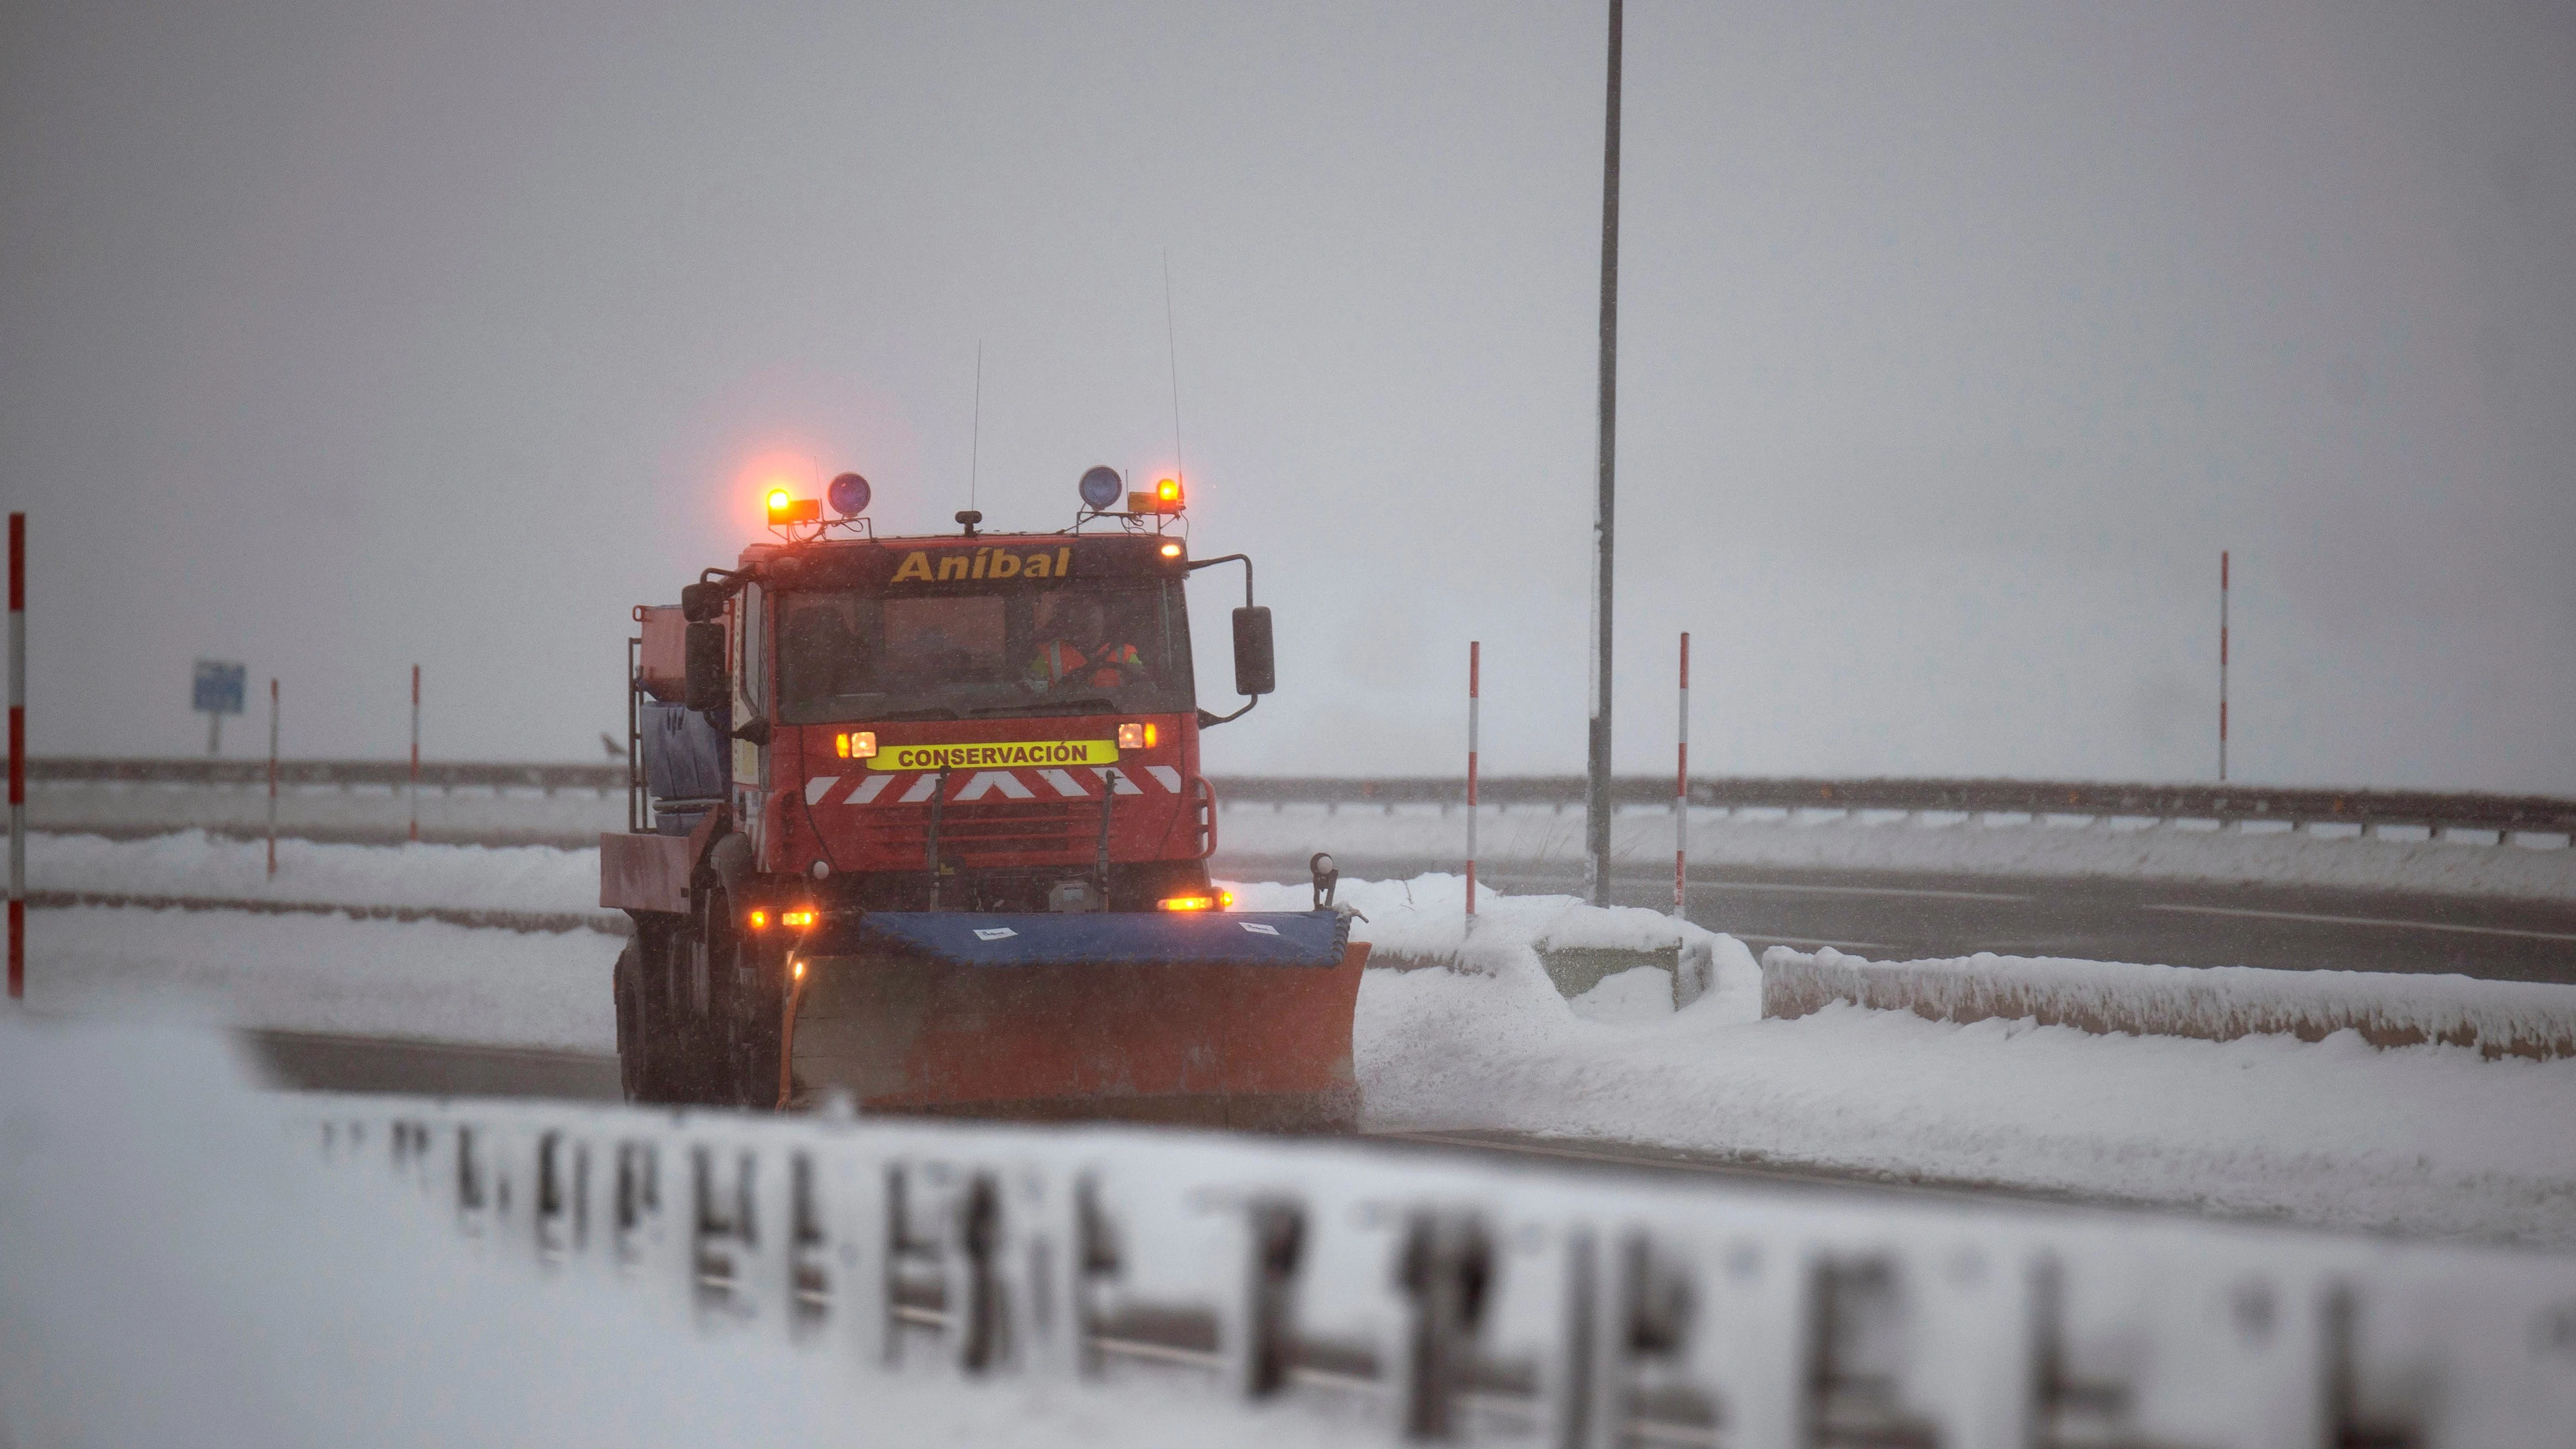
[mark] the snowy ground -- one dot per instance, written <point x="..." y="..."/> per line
<point x="191" y="863"/>
<point x="184" y="1262"/>
<point x="173" y="1273"/>
<point x="422" y="979"/>
<point x="2430" y="1140"/>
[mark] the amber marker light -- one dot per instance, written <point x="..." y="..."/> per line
<point x="1216" y="902"/>
<point x="786" y="507"/>
<point x="1149" y="734"/>
<point x="758" y="920"/>
<point x="800" y="970"/>
<point x="799" y="918"/>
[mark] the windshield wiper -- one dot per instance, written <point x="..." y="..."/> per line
<point x="1051" y="706"/>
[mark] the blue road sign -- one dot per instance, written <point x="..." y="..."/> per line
<point x="218" y="687"/>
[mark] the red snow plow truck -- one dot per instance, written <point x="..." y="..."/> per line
<point x="920" y="820"/>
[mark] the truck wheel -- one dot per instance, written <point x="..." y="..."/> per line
<point x="647" y="1041"/>
<point x="705" y="1058"/>
<point x="739" y="1061"/>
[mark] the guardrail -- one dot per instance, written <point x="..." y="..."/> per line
<point x="436" y="775"/>
<point x="2300" y="807"/>
<point x="1438" y="1300"/>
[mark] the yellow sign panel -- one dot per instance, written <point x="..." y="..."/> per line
<point x="1019" y="754"/>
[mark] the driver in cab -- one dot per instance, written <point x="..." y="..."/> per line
<point x="1079" y="649"/>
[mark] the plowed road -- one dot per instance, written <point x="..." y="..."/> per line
<point x="1898" y="917"/>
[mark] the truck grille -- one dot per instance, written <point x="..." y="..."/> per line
<point x="1032" y="832"/>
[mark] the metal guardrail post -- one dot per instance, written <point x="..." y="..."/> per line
<point x="1446" y="1269"/>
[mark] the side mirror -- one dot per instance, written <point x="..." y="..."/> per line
<point x="701" y="602"/>
<point x="1255" y="671"/>
<point x="708" y="687"/>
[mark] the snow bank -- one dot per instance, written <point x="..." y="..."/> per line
<point x="2498" y="1018"/>
<point x="528" y="878"/>
<point x="176" y="1271"/>
<point x="1422" y="922"/>
<point x="1936" y="844"/>
<point x="2422" y="1139"/>
<point x="420" y="980"/>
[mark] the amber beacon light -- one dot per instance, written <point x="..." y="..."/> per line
<point x="1165" y="498"/>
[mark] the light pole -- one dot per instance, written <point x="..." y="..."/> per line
<point x="1596" y="810"/>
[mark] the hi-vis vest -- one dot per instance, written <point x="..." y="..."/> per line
<point x="1059" y="660"/>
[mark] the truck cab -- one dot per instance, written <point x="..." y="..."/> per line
<point x="981" y="723"/>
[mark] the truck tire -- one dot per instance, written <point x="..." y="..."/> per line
<point x="692" y="1059"/>
<point x="647" y="1027"/>
<point x="738" y="1062"/>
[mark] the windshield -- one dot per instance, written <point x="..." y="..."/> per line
<point x="1109" y="647"/>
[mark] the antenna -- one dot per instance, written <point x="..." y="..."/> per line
<point x="975" y="449"/>
<point x="1173" y="350"/>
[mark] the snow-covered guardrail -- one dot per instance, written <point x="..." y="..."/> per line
<point x="435" y="774"/>
<point x="2299" y="807"/>
<point x="2508" y="815"/>
<point x="1429" y="1299"/>
<point x="2213" y="1003"/>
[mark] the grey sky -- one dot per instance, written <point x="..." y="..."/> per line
<point x="1956" y="343"/>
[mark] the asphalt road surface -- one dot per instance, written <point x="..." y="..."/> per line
<point x="1890" y="916"/>
<point x="304" y="1061"/>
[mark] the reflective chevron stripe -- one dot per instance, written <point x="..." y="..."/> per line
<point x="870" y="789"/>
<point x="986" y="781"/>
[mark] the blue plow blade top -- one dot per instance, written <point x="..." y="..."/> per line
<point x="1215" y="938"/>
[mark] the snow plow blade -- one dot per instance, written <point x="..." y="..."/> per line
<point x="1224" y="1019"/>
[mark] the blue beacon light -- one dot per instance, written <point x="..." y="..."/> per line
<point x="849" y="495"/>
<point x="1101" y="487"/>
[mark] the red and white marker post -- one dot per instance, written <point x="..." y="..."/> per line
<point x="17" y="756"/>
<point x="2222" y="665"/>
<point x="272" y="778"/>
<point x="415" y="754"/>
<point x="1681" y="792"/>
<point x="1475" y="650"/>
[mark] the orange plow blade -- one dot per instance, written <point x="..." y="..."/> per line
<point x="1224" y="1020"/>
